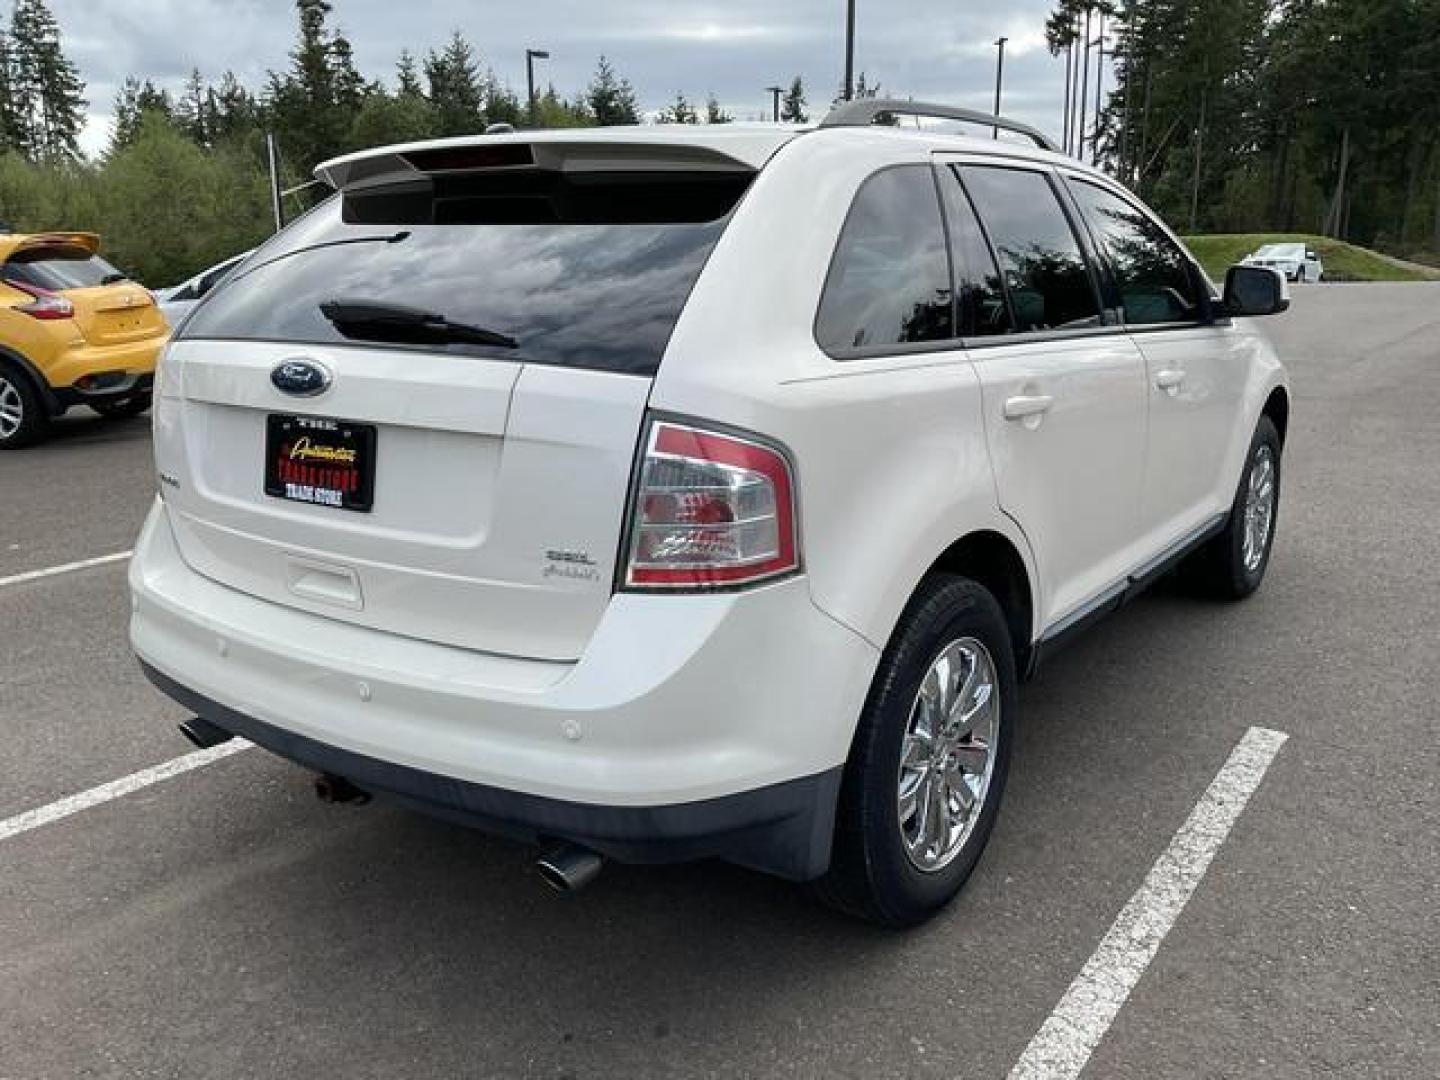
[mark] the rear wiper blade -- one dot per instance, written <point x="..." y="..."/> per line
<point x="377" y="320"/>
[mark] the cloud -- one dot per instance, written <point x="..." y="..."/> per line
<point x="922" y="48"/>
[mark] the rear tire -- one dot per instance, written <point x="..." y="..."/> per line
<point x="1232" y="564"/>
<point x="934" y="736"/>
<point x="22" y="414"/>
<point x="123" y="408"/>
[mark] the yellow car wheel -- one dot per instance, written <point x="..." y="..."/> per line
<point x="22" y="414"/>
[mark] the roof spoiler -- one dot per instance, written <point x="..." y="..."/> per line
<point x="397" y="164"/>
<point x="88" y="240"/>
<point x="863" y="112"/>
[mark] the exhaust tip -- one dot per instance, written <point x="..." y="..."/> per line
<point x="203" y="733"/>
<point x="569" y="868"/>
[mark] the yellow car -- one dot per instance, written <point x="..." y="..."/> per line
<point x="73" y="330"/>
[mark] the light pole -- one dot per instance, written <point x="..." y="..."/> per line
<point x="999" y="78"/>
<point x="849" y="49"/>
<point x="531" y="55"/>
<point x="775" y="92"/>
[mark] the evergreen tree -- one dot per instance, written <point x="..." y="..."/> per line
<point x="714" y="114"/>
<point x="680" y="111"/>
<point x="553" y="111"/>
<point x="792" y="103"/>
<point x="313" y="104"/>
<point x="11" y="128"/>
<point x="48" y="90"/>
<point x="192" y="112"/>
<point x="135" y="101"/>
<point x="392" y="118"/>
<point x="234" y="112"/>
<point x="407" y="76"/>
<point x="456" y="94"/>
<point x="611" y="99"/>
<point x="500" y="104"/>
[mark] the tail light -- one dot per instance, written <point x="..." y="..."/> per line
<point x="45" y="305"/>
<point x="711" y="510"/>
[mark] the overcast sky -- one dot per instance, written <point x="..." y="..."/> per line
<point x="922" y="48"/>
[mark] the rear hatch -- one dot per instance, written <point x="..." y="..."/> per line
<point x="418" y="408"/>
<point x="109" y="309"/>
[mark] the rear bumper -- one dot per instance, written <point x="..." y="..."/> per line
<point x="693" y="726"/>
<point x="115" y="387"/>
<point x="131" y="358"/>
<point x="783" y="829"/>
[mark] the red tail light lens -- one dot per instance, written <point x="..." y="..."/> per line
<point x="46" y="305"/>
<point x="711" y="510"/>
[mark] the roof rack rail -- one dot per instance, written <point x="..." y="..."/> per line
<point x="863" y="112"/>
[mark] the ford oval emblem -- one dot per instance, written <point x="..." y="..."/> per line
<point x="302" y="378"/>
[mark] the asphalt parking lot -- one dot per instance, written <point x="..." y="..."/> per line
<point x="225" y="924"/>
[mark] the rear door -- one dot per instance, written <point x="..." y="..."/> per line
<point x="1064" y="392"/>
<point x="426" y="482"/>
<point x="1195" y="370"/>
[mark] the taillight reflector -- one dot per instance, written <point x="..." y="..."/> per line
<point x="711" y="510"/>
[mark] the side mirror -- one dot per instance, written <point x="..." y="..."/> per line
<point x="1311" y="255"/>
<point x="1255" y="290"/>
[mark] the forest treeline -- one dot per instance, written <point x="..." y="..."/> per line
<point x="1266" y="115"/>
<point x="1229" y="115"/>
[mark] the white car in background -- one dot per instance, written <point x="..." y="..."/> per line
<point x="1295" y="261"/>
<point x="176" y="301"/>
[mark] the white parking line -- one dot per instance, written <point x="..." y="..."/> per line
<point x="73" y="804"/>
<point x="64" y="568"/>
<point x="1069" y="1036"/>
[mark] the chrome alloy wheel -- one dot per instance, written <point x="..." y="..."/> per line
<point x="12" y="408"/>
<point x="948" y="754"/>
<point x="1259" y="508"/>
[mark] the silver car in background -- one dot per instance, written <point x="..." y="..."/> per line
<point x="1296" y="261"/>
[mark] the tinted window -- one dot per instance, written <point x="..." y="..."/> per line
<point x="582" y="270"/>
<point x="889" y="281"/>
<point x="57" y="268"/>
<point x="1044" y="269"/>
<point x="983" y="309"/>
<point x="1153" y="275"/>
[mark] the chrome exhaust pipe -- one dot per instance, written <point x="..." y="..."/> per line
<point x="203" y="733"/>
<point x="569" y="868"/>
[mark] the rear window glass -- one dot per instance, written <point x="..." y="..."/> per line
<point x="59" y="268"/>
<point x="581" y="270"/>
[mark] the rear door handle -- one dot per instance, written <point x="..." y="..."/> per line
<point x="1169" y="379"/>
<point x="1023" y="405"/>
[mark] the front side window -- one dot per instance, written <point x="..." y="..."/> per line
<point x="889" y="282"/>
<point x="1040" y="258"/>
<point x="1155" y="280"/>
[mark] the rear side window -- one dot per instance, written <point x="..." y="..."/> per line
<point x="59" y="268"/>
<point x="1154" y="276"/>
<point x="889" y="281"/>
<point x="581" y="270"/>
<point x="1044" y="270"/>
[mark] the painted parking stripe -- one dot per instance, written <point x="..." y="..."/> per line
<point x="73" y="804"/>
<point x="64" y="568"/>
<point x="1070" y="1034"/>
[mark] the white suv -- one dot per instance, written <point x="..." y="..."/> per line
<point x="669" y="493"/>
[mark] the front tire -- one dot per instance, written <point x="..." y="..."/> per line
<point x="929" y="760"/>
<point x="22" y="414"/>
<point x="1232" y="564"/>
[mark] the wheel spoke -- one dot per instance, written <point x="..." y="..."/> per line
<point x="973" y="756"/>
<point x="978" y="708"/>
<point x="915" y="750"/>
<point x="937" y="814"/>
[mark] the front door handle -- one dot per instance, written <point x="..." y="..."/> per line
<point x="1023" y="405"/>
<point x="1169" y="379"/>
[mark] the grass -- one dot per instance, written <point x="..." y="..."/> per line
<point x="1342" y="261"/>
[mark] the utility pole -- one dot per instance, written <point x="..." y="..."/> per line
<point x="1099" y="81"/>
<point x="1069" y="81"/>
<point x="273" y="156"/>
<point x="849" y="50"/>
<point x="531" y="55"/>
<point x="775" y="92"/>
<point x="1084" y="90"/>
<point x="1128" y="38"/>
<point x="999" y="79"/>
